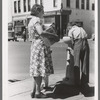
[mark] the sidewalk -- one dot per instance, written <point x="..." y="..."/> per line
<point x="21" y="90"/>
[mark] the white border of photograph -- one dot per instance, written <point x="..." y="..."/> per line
<point x="5" y="49"/>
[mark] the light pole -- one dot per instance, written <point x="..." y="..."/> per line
<point x="26" y="26"/>
<point x="61" y="20"/>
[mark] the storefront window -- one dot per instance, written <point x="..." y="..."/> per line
<point x="18" y="27"/>
<point x="48" y="20"/>
<point x="10" y="26"/>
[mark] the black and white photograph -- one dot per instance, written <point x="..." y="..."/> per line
<point x="50" y="50"/>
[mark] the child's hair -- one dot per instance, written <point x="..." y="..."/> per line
<point x="36" y="9"/>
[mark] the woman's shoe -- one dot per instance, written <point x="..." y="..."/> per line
<point x="41" y="95"/>
<point x="32" y="94"/>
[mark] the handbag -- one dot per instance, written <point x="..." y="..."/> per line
<point x="49" y="36"/>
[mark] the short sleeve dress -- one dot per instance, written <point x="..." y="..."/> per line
<point x="40" y="56"/>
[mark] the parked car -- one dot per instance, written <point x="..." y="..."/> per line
<point x="11" y="36"/>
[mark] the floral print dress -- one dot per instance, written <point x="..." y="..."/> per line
<point x="40" y="56"/>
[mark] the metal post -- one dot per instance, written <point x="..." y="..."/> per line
<point x="61" y="20"/>
<point x="60" y="26"/>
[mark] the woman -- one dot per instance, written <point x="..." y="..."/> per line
<point x="40" y="58"/>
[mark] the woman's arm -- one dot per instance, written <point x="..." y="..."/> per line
<point x="39" y="28"/>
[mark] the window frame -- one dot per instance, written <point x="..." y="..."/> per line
<point x="29" y="5"/>
<point x="82" y="4"/>
<point x="93" y="6"/>
<point x="15" y="6"/>
<point x="54" y="3"/>
<point x="68" y="3"/>
<point x="19" y="6"/>
<point x="24" y="6"/>
<point x="87" y="4"/>
<point x="77" y="4"/>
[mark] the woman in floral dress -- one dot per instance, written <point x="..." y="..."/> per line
<point x="40" y="57"/>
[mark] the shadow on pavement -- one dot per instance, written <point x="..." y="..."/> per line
<point x="13" y="80"/>
<point x="63" y="91"/>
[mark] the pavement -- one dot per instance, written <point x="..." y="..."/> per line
<point x="21" y="89"/>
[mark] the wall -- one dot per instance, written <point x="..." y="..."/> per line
<point x="48" y="5"/>
<point x="87" y="16"/>
<point x="9" y="11"/>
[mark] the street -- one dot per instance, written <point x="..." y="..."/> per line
<point x="19" y="57"/>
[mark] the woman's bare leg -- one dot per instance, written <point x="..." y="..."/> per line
<point x="46" y="81"/>
<point x="38" y="81"/>
<point x="34" y="86"/>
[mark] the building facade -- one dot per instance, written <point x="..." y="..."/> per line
<point x="9" y="11"/>
<point x="82" y="11"/>
<point x="59" y="11"/>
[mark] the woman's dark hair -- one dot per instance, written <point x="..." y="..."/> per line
<point x="36" y="9"/>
